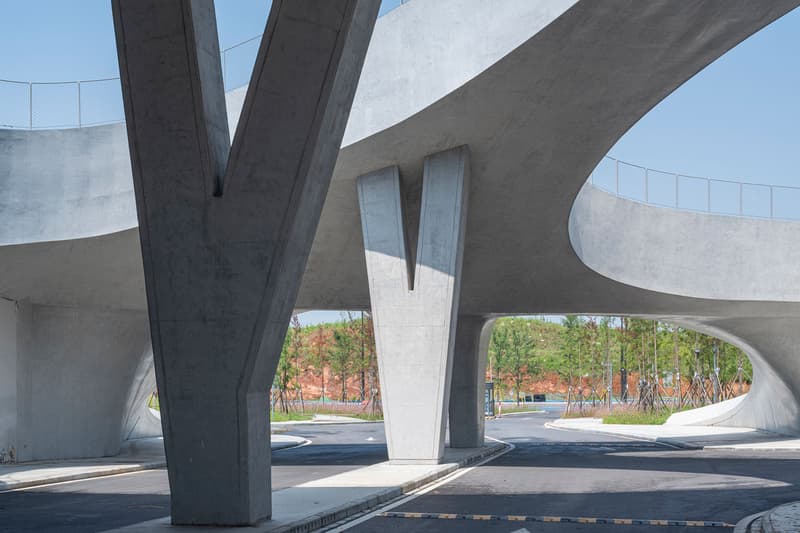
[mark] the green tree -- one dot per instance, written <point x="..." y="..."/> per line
<point x="288" y="369"/>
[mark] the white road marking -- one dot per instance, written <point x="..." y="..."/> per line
<point x="423" y="490"/>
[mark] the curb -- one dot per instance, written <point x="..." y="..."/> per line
<point x="347" y="510"/>
<point x="658" y="440"/>
<point x="112" y="471"/>
<point x="743" y="525"/>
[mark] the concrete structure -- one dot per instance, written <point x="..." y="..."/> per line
<point x="226" y="229"/>
<point x="468" y="386"/>
<point x="537" y="91"/>
<point x="415" y="297"/>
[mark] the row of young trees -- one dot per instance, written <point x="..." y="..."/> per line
<point x="339" y="351"/>
<point x="589" y="358"/>
<point x="589" y="354"/>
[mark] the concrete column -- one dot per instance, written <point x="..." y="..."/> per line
<point x="415" y="302"/>
<point x="226" y="230"/>
<point x="467" y="414"/>
<point x="64" y="375"/>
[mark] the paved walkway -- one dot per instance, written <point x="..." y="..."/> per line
<point x="693" y="437"/>
<point x="140" y="454"/>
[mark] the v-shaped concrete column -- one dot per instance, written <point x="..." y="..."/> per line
<point x="226" y="231"/>
<point x="415" y="306"/>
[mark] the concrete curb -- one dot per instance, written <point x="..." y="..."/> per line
<point x="120" y="469"/>
<point x="658" y="440"/>
<point x="743" y="525"/>
<point x="350" y="509"/>
<point x="111" y="471"/>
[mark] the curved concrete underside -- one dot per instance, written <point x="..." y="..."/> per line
<point x="538" y="91"/>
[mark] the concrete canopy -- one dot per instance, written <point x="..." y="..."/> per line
<point x="538" y="91"/>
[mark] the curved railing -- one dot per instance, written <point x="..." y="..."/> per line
<point x="75" y="104"/>
<point x="35" y="105"/>
<point x="695" y="193"/>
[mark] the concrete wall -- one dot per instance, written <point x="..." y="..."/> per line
<point x="64" y="184"/>
<point x="74" y="368"/>
<point x="698" y="255"/>
<point x="139" y="421"/>
<point x="8" y="380"/>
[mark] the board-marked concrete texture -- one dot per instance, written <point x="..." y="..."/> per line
<point x="226" y="230"/>
<point x="415" y="297"/>
<point x="524" y="81"/>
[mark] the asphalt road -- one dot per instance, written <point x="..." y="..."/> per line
<point x="572" y="474"/>
<point x="549" y="472"/>
<point x="110" y="502"/>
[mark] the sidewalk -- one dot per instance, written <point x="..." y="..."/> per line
<point x="689" y="437"/>
<point x="326" y="419"/>
<point x="328" y="500"/>
<point x="136" y="455"/>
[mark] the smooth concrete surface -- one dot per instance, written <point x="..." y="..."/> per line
<point x="79" y="187"/>
<point x="226" y="229"/>
<point x="689" y="437"/>
<point x="711" y="256"/>
<point x="704" y="415"/>
<point x="415" y="297"/>
<point x="467" y="416"/>
<point x="135" y="455"/>
<point x="8" y="381"/>
<point x="67" y="372"/>
<point x="426" y="85"/>
<point x="140" y="420"/>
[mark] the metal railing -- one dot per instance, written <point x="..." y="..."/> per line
<point x="35" y="105"/>
<point x="695" y="193"/>
<point x="76" y="104"/>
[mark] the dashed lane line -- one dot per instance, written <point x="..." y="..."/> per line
<point x="557" y="519"/>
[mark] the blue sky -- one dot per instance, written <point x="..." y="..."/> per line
<point x="736" y="119"/>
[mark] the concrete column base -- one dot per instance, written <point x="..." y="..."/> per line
<point x="467" y="418"/>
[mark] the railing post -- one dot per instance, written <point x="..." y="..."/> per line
<point x="79" y="105"/>
<point x="616" y="165"/>
<point x="708" y="194"/>
<point x="224" y="70"/>
<point x="646" y="185"/>
<point x="30" y="105"/>
<point x="771" y="215"/>
<point x="741" y="200"/>
<point x="677" y="204"/>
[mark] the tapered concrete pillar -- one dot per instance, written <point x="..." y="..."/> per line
<point x="226" y="231"/>
<point x="467" y="410"/>
<point x="415" y="302"/>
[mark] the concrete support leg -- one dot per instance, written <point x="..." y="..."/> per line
<point x="467" y="410"/>
<point x="226" y="230"/>
<point x="64" y="375"/>
<point x="415" y="302"/>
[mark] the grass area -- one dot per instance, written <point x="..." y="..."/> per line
<point x="293" y="416"/>
<point x="519" y="409"/>
<point x="367" y="416"/>
<point x="638" y="417"/>
<point x="300" y="416"/>
<point x="622" y="414"/>
<point x="276" y="416"/>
